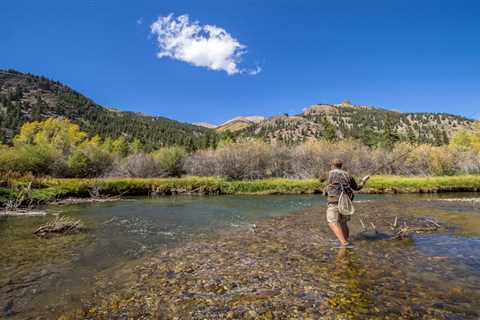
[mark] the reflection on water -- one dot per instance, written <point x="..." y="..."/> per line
<point x="36" y="272"/>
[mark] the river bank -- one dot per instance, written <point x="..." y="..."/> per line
<point x="48" y="190"/>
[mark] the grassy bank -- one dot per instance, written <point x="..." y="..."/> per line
<point x="401" y="184"/>
<point x="49" y="189"/>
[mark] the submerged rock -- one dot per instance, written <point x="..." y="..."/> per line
<point x="7" y="310"/>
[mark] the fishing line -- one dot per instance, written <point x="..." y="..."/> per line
<point x="472" y="117"/>
<point x="403" y="155"/>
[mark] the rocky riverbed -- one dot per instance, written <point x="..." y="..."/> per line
<point x="288" y="268"/>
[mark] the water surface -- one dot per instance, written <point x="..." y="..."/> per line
<point x="38" y="274"/>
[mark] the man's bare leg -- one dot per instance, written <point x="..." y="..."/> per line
<point x="345" y="230"/>
<point x="338" y="231"/>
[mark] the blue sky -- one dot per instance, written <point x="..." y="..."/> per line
<point x="407" y="55"/>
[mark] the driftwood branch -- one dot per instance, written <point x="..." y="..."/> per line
<point x="24" y="195"/>
<point x="432" y="222"/>
<point x="400" y="229"/>
<point x="60" y="225"/>
<point x="364" y="227"/>
<point x="94" y="193"/>
<point x="405" y="231"/>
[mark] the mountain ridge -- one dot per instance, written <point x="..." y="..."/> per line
<point x="346" y="120"/>
<point x="233" y="124"/>
<point x="26" y="97"/>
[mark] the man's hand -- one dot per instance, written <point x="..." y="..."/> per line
<point x="365" y="179"/>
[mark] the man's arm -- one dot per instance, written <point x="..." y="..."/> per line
<point x="325" y="190"/>
<point x="359" y="186"/>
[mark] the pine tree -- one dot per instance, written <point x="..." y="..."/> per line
<point x="329" y="130"/>
<point x="389" y="136"/>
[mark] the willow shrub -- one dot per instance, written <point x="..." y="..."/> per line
<point x="165" y="162"/>
<point x="170" y="161"/>
<point x="314" y="158"/>
<point x="250" y="159"/>
<point x="89" y="161"/>
<point x="242" y="160"/>
<point x="202" y="163"/>
<point x="135" y="165"/>
<point x="37" y="159"/>
<point x="428" y="160"/>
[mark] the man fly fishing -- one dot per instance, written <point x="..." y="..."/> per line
<point x="339" y="192"/>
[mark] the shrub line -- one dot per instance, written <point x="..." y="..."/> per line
<point x="47" y="190"/>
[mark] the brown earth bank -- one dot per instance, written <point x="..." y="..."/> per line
<point x="289" y="268"/>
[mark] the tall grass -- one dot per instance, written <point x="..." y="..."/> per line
<point x="424" y="184"/>
<point x="51" y="189"/>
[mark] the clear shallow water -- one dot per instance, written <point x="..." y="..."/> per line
<point x="148" y="223"/>
<point x="35" y="272"/>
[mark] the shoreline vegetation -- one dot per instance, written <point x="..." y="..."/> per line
<point x="52" y="190"/>
<point x="54" y="160"/>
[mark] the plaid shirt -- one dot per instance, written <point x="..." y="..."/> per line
<point x="338" y="181"/>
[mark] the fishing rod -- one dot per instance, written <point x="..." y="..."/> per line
<point x="407" y="153"/>
<point x="403" y="155"/>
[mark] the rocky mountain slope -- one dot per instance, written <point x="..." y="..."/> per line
<point x="25" y="97"/>
<point x="205" y="125"/>
<point x="233" y="125"/>
<point x="370" y="124"/>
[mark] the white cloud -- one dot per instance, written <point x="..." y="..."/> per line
<point x="255" y="71"/>
<point x="140" y="21"/>
<point x="200" y="45"/>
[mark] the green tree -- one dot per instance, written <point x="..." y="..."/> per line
<point x="136" y="146"/>
<point x="59" y="133"/>
<point x="369" y="137"/>
<point x="390" y="135"/>
<point x="329" y="130"/>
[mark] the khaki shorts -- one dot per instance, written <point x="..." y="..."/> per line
<point x="334" y="215"/>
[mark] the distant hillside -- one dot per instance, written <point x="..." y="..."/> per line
<point x="369" y="124"/>
<point x="205" y="125"/>
<point x="239" y="123"/>
<point x="285" y="129"/>
<point x="25" y="97"/>
<point x="233" y="125"/>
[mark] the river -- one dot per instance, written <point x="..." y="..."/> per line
<point x="46" y="277"/>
